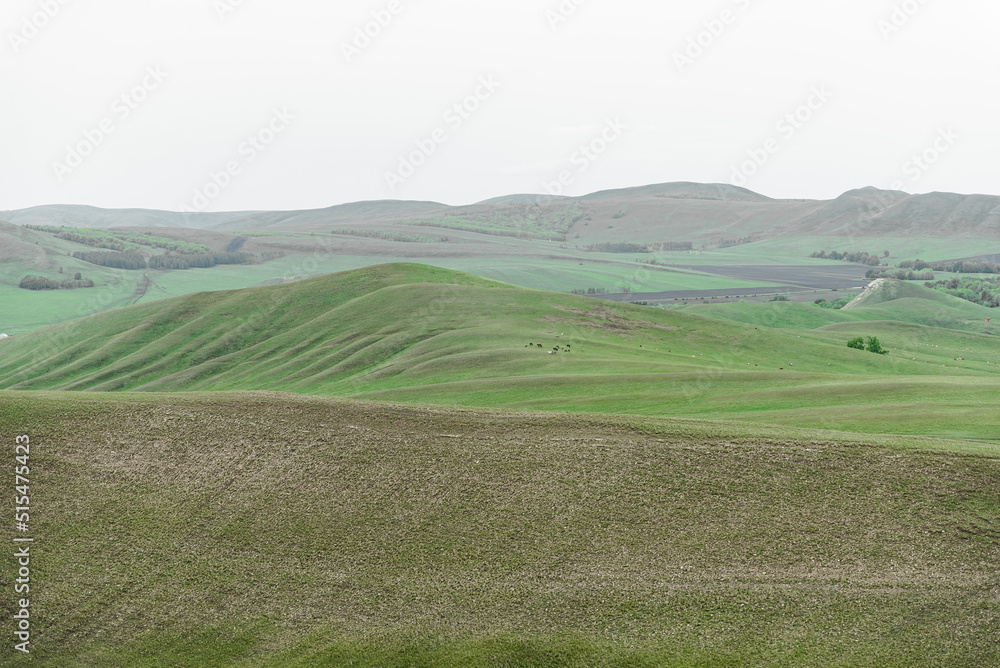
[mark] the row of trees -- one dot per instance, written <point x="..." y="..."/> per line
<point x="112" y="259"/>
<point x="94" y="240"/>
<point x="617" y="247"/>
<point x="198" y="261"/>
<point x="983" y="291"/>
<point x="957" y="267"/>
<point x="859" y="257"/>
<point x="729" y="243"/>
<point x="42" y="283"/>
<point x="135" y="261"/>
<point x="627" y="247"/>
<point x="901" y="274"/>
<point x="119" y="240"/>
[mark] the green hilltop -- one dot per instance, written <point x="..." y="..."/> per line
<point x="883" y="290"/>
<point x="415" y="333"/>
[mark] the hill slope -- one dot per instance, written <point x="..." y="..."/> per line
<point x="416" y="333"/>
<point x="272" y="530"/>
<point x="883" y="290"/>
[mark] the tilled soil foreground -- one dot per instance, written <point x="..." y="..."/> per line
<point x="269" y="529"/>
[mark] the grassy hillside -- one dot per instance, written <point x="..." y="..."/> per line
<point x="884" y="290"/>
<point x="423" y="334"/>
<point x="273" y="530"/>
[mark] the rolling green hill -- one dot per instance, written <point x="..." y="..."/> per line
<point x="269" y="530"/>
<point x="422" y="334"/>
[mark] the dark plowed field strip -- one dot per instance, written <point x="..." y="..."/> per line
<point x="841" y="277"/>
<point x="787" y="280"/>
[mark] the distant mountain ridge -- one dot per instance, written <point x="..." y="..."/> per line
<point x="680" y="210"/>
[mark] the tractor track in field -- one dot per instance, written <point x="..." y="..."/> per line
<point x="140" y="290"/>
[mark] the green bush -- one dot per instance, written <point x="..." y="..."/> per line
<point x="875" y="347"/>
<point x="836" y="304"/>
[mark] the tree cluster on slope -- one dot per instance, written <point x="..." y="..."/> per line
<point x="42" y="283"/>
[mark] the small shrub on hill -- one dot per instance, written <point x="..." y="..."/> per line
<point x="873" y="346"/>
<point x="836" y="304"/>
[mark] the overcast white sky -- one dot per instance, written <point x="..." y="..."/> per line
<point x="896" y="79"/>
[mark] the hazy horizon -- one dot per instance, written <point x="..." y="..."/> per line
<point x="228" y="105"/>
